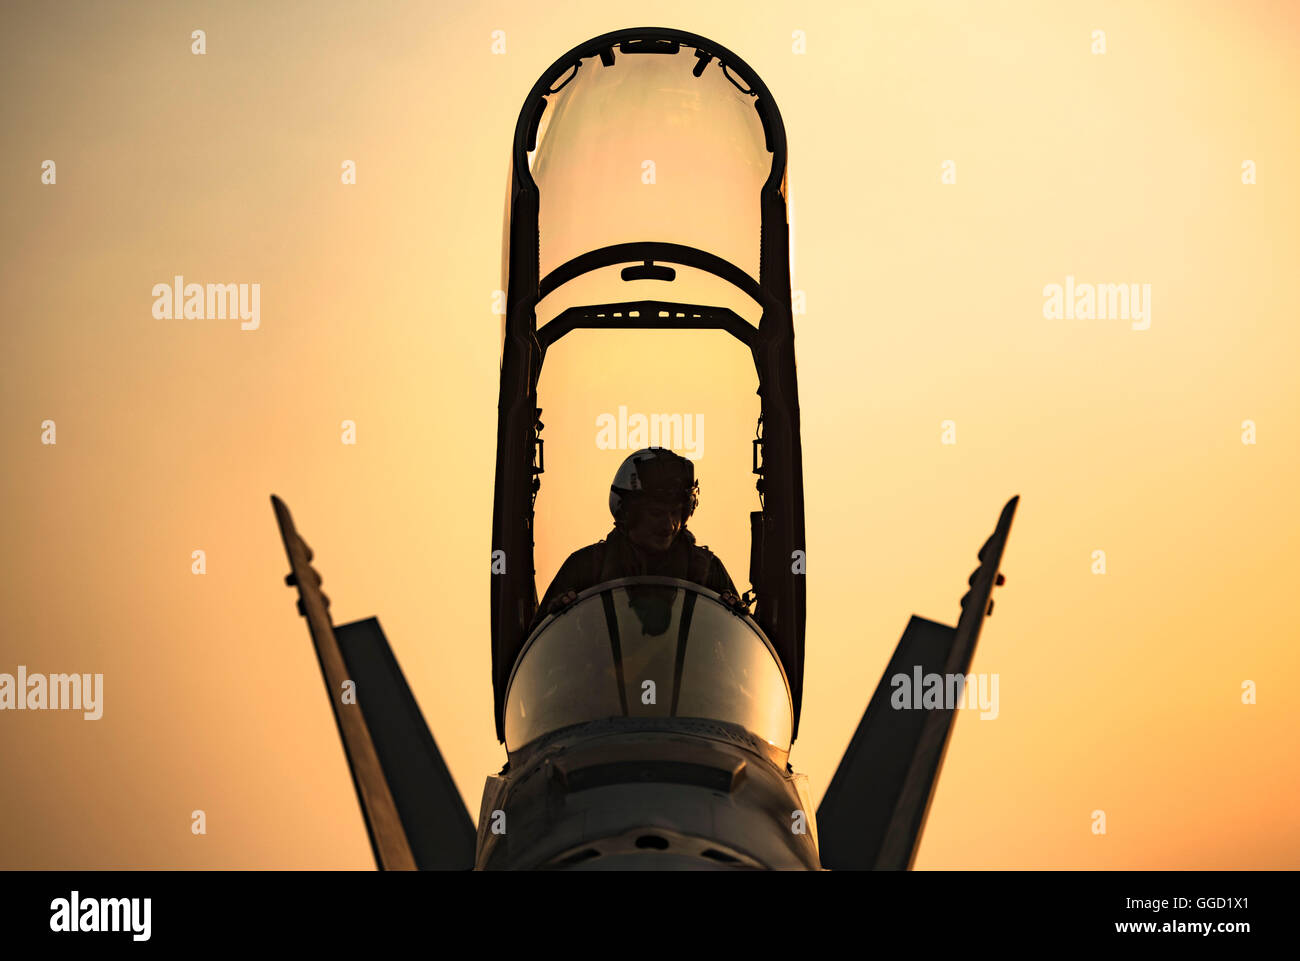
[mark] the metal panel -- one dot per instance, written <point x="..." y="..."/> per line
<point x="860" y="802"/>
<point x="433" y="814"/>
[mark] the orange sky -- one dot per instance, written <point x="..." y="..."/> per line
<point x="1118" y="692"/>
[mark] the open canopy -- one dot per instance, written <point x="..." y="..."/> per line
<point x="646" y="149"/>
<point x="648" y="304"/>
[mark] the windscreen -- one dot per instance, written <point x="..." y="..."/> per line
<point x="657" y="649"/>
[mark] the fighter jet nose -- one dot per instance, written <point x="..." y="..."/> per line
<point x="642" y="795"/>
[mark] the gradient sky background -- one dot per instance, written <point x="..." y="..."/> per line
<point x="1118" y="692"/>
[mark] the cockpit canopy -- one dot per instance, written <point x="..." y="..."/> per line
<point x="649" y="141"/>
<point x="648" y="647"/>
<point x="647" y="286"/>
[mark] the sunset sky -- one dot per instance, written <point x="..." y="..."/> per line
<point x="1119" y="692"/>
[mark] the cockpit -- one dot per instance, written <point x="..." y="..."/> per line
<point x="648" y="647"/>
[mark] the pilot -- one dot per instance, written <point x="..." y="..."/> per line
<point x="653" y="495"/>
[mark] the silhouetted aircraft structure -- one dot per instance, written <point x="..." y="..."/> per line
<point x="599" y="777"/>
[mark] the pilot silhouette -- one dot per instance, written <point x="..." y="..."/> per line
<point x="653" y="495"/>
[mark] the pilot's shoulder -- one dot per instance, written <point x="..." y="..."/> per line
<point x="714" y="562"/>
<point x="704" y="549"/>
<point x="584" y="553"/>
<point x="711" y="559"/>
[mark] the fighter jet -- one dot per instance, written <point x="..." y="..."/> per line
<point x="648" y="160"/>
